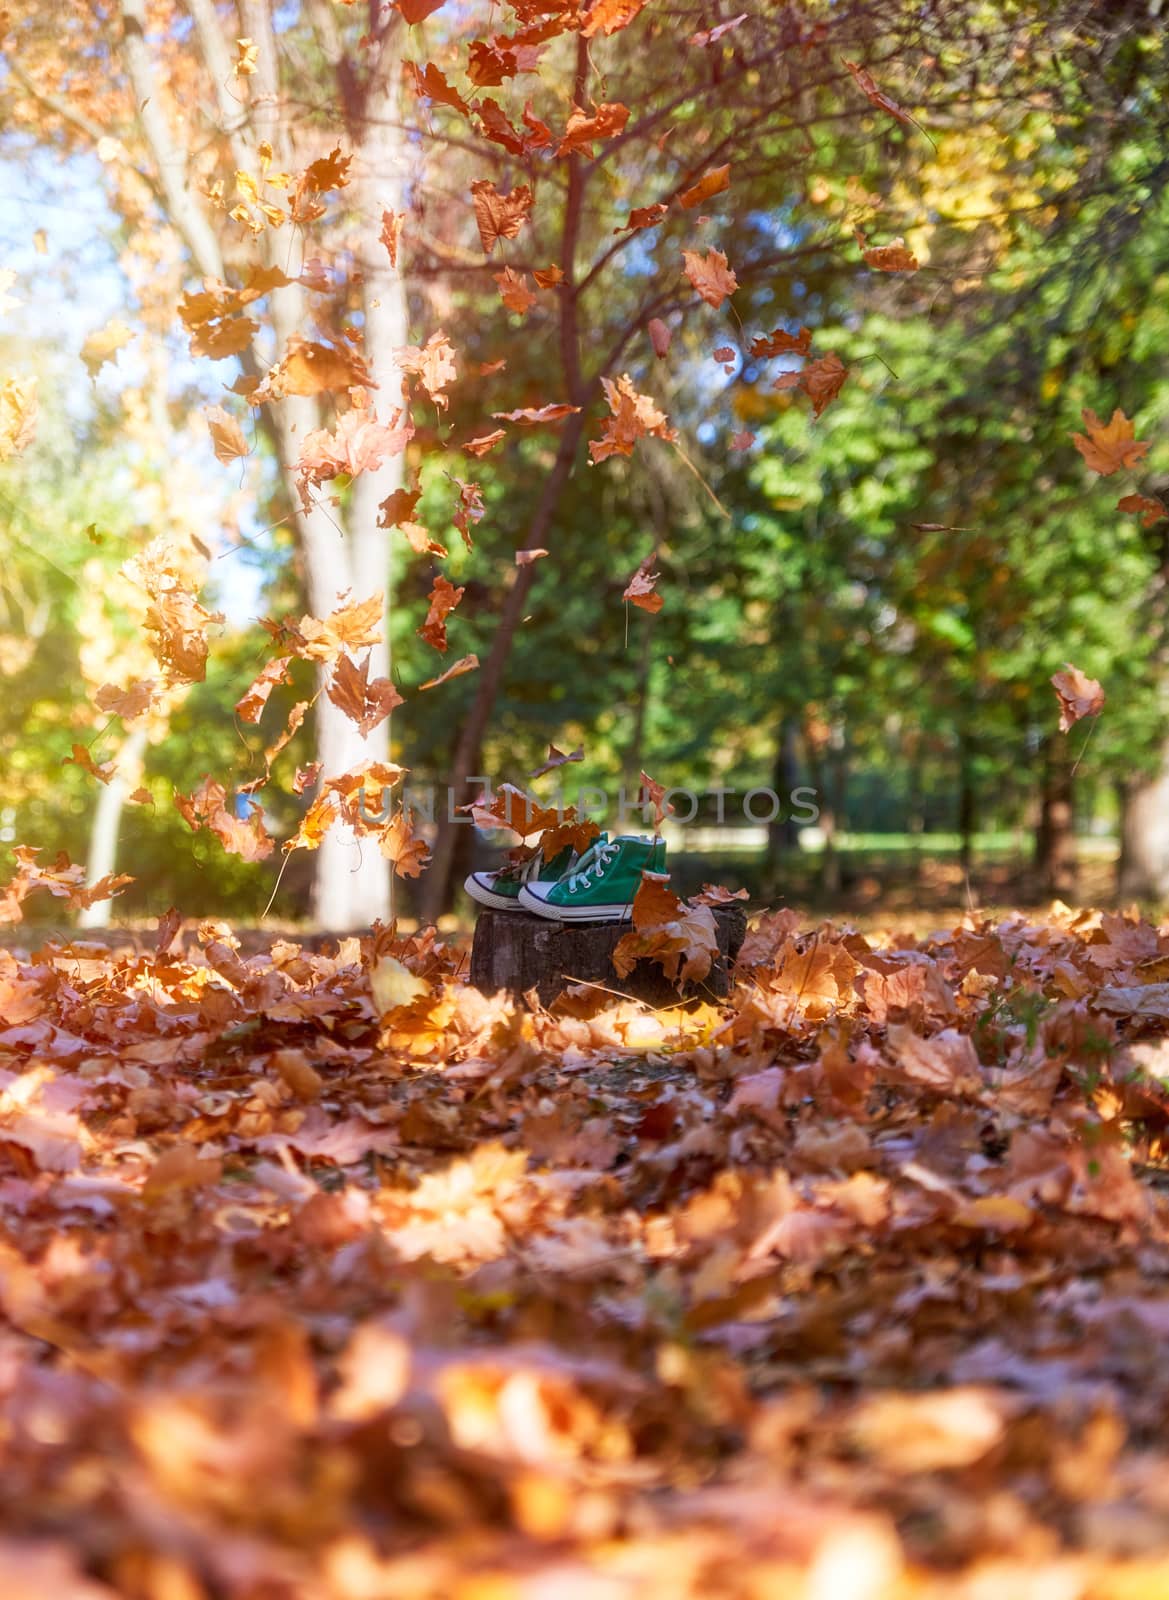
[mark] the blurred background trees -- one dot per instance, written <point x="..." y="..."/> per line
<point x="870" y="602"/>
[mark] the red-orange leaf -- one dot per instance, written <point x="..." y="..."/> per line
<point x="1147" y="507"/>
<point x="444" y="597"/>
<point x="641" y="588"/>
<point x="781" y="342"/>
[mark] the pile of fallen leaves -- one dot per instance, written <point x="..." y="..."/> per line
<point x="326" y="1276"/>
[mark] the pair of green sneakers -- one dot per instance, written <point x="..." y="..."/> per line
<point x="597" y="886"/>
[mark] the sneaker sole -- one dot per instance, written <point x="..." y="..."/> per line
<point x="488" y="897"/>
<point x="611" y="913"/>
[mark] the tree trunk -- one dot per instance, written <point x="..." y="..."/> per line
<point x="967" y="804"/>
<point x="107" y="819"/>
<point x="1055" y="839"/>
<point x="489" y="679"/>
<point x="1143" y="868"/>
<point x="436" y="887"/>
<point x="783" y="834"/>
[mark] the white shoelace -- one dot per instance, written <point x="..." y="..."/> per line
<point x="580" y="879"/>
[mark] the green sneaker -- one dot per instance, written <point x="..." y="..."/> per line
<point x="501" y="890"/>
<point x="601" y="886"/>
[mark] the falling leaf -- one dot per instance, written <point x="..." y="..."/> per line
<point x="890" y="257"/>
<point x="1147" y="507"/>
<point x="444" y="597"/>
<point x="500" y="216"/>
<point x="430" y="83"/>
<point x="480" y="446"/>
<point x="310" y="367"/>
<point x="535" y="416"/>
<point x="513" y="291"/>
<point x="245" y="837"/>
<point x="653" y="794"/>
<point x="634" y="416"/>
<point x="455" y="670"/>
<point x="398" y="507"/>
<point x="364" y="701"/>
<point x="104" y="345"/>
<point x="250" y="706"/>
<point x="610" y="16"/>
<point x="126" y="703"/>
<point x="709" y="36"/>
<point x="604" y="122"/>
<point x="821" y="380"/>
<point x="1109" y="446"/>
<point x="18" y="415"/>
<point x="402" y="847"/>
<point x="645" y="217"/>
<point x="419" y="539"/>
<point x="867" y="84"/>
<point x="641" y="588"/>
<point x="227" y="438"/>
<point x="710" y="276"/>
<point x="659" y="336"/>
<point x="743" y="440"/>
<point x="556" y="758"/>
<point x="81" y="757"/>
<point x="391" y="234"/>
<point x="433" y="364"/>
<point x="711" y="183"/>
<point x="1078" y="695"/>
<point x="782" y="343"/>
<point x="359" y="443"/>
<point x="524" y="558"/>
<point x="247" y="54"/>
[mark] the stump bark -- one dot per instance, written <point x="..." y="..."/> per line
<point x="518" y="952"/>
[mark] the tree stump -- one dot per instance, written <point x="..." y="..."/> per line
<point x="518" y="952"/>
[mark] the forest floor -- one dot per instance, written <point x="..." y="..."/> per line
<point x="325" y="1277"/>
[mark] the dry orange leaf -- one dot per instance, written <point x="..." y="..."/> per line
<point x="711" y="183"/>
<point x="781" y="343"/>
<point x="433" y="364"/>
<point x="711" y="277"/>
<point x="513" y="291"/>
<point x="644" y="217"/>
<point x="455" y="670"/>
<point x="1109" y="446"/>
<point x="480" y="446"/>
<point x="364" y="700"/>
<point x="610" y="16"/>
<point x="227" y="437"/>
<point x="500" y="216"/>
<point x="890" y="257"/>
<point x="603" y="122"/>
<point x="535" y="416"/>
<point x="401" y="845"/>
<point x="634" y="416"/>
<point x="391" y="234"/>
